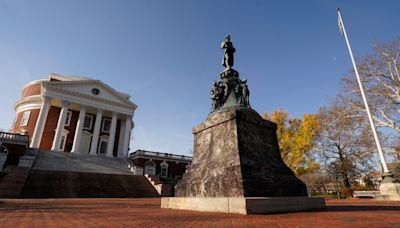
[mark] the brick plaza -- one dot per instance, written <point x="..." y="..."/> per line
<point x="147" y="213"/>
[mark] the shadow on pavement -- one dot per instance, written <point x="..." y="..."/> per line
<point x="361" y="208"/>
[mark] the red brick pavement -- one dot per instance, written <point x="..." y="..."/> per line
<point x="147" y="213"/>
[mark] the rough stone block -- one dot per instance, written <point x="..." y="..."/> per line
<point x="389" y="191"/>
<point x="236" y="154"/>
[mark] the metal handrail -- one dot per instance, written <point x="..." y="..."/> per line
<point x="8" y="136"/>
<point x="162" y="155"/>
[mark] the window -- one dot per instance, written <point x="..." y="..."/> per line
<point x="150" y="168"/>
<point x="164" y="169"/>
<point x="95" y="91"/>
<point x="87" y="124"/>
<point x="68" y="119"/>
<point x="25" y="118"/>
<point x="63" y="140"/>
<point x="102" y="148"/>
<point x="106" y="125"/>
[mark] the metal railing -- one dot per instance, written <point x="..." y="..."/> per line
<point x="160" y="155"/>
<point x="14" y="138"/>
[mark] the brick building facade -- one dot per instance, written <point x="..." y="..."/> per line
<point x="164" y="165"/>
<point x="75" y="114"/>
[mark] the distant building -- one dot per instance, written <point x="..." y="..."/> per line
<point x="75" y="114"/>
<point x="168" y="166"/>
<point x="12" y="147"/>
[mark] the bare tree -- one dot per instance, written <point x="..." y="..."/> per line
<point x="344" y="142"/>
<point x="380" y="75"/>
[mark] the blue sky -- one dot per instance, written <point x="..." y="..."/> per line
<point x="166" y="54"/>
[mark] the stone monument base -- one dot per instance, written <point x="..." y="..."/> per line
<point x="244" y="205"/>
<point x="389" y="191"/>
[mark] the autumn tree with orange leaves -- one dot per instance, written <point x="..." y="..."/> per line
<point x="296" y="138"/>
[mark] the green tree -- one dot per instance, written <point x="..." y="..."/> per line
<point x="296" y="138"/>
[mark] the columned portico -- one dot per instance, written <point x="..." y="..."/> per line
<point x="110" y="144"/>
<point x="78" y="130"/>
<point x="37" y="134"/>
<point x="94" y="118"/>
<point x="60" y="126"/>
<point x="96" y="132"/>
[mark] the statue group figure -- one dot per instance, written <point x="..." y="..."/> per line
<point x="222" y="89"/>
<point x="242" y="93"/>
<point x="230" y="89"/>
<point x="216" y="93"/>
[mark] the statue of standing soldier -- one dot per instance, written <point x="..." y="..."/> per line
<point x="227" y="45"/>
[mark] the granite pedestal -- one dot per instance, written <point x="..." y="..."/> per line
<point x="236" y="162"/>
<point x="389" y="191"/>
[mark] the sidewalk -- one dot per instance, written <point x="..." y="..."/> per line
<point x="147" y="213"/>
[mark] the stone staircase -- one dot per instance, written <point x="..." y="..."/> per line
<point x="75" y="162"/>
<point x="161" y="188"/>
<point x="65" y="175"/>
<point x="67" y="184"/>
<point x="12" y="183"/>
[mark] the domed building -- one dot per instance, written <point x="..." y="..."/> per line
<point x="75" y="114"/>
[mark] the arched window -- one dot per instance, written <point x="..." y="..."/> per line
<point x="164" y="169"/>
<point x="150" y="168"/>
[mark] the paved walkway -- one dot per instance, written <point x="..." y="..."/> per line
<point x="147" y="213"/>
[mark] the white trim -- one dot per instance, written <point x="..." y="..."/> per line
<point x="91" y="122"/>
<point x="87" y="132"/>
<point x="25" y="119"/>
<point x="102" y="125"/>
<point x="32" y="102"/>
<point x="22" y="131"/>
<point x="89" y="101"/>
<point x="68" y="119"/>
<point x="62" y="84"/>
<point x="159" y="159"/>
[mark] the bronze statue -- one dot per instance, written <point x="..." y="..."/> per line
<point x="227" y="61"/>
<point x="245" y="94"/>
<point x="215" y="97"/>
<point x="230" y="91"/>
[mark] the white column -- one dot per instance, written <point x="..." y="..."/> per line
<point x="96" y="132"/>
<point x="41" y="121"/>
<point x="78" y="129"/>
<point x="127" y="134"/>
<point x="60" y="126"/>
<point x="111" y="137"/>
<point x="121" y="139"/>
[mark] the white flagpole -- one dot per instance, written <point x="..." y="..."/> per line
<point x="378" y="144"/>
